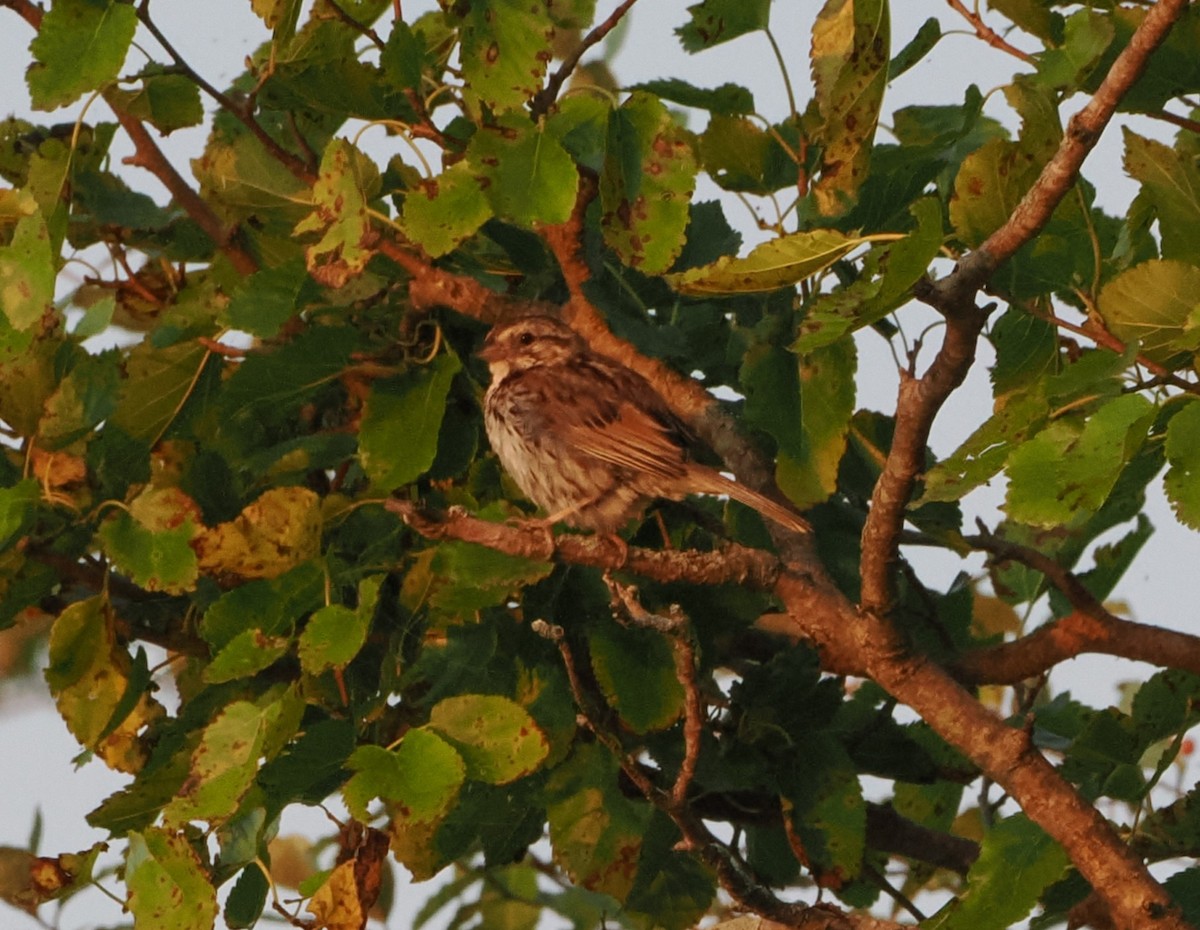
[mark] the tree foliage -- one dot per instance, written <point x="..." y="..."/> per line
<point x="244" y="476"/>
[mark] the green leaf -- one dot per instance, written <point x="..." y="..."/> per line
<point x="739" y="155"/>
<point x="1182" y="480"/>
<point x="166" y="101"/>
<point x="157" y="383"/>
<point x="17" y="508"/>
<point x="1154" y="305"/>
<point x="646" y="183"/>
<point x="1086" y="37"/>
<point x="270" y="387"/>
<point x="526" y="175"/>
<point x="826" y="405"/>
<point x="27" y="274"/>
<point x="248" y="897"/>
<point x="636" y="671"/>
<point x="505" y="47"/>
<point x="920" y="45"/>
<point x="770" y="379"/>
<point x="776" y="263"/>
<point x="717" y="21"/>
<point x="402" y="57"/>
<point x="270" y="605"/>
<point x="1026" y="349"/>
<point x="674" y="889"/>
<point x="96" y="318"/>
<point x="827" y="807"/>
<point x="267" y="299"/>
<point x="399" y="432"/>
<point x="168" y="886"/>
<point x="442" y="212"/>
<point x="985" y="451"/>
<point x="726" y="100"/>
<point x="424" y="774"/>
<point x="496" y="737"/>
<point x="1066" y="471"/>
<point x="348" y="180"/>
<point x="1171" y="181"/>
<point x="334" y="634"/>
<point x="595" y="830"/>
<point x="157" y="560"/>
<point x="79" y="47"/>
<point x="85" y="397"/>
<point x="469" y="577"/>
<point x="1017" y="862"/>
<point x="248" y="653"/>
<point x="832" y="315"/>
<point x="850" y="43"/>
<point x="1184" y="888"/>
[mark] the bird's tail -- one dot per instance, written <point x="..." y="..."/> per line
<point x="773" y="510"/>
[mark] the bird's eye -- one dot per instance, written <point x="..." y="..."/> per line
<point x="526" y="338"/>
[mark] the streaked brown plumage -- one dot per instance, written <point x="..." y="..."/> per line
<point x="588" y="439"/>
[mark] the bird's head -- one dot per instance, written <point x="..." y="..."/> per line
<point x="529" y="341"/>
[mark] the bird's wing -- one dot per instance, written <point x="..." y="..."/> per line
<point x="628" y="427"/>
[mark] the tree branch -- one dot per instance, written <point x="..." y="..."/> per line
<point x="988" y="34"/>
<point x="1074" y="635"/>
<point x="544" y="99"/>
<point x="1083" y="132"/>
<point x="148" y="155"/>
<point x="732" y="565"/>
<point x="954" y="296"/>
<point x="294" y="164"/>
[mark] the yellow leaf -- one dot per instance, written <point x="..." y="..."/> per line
<point x="88" y="676"/>
<point x="273" y="534"/>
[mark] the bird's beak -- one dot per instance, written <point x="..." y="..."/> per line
<point x="491" y="350"/>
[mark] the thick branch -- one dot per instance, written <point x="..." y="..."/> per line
<point x="732" y="565"/>
<point x="1005" y="754"/>
<point x="30" y="12"/>
<point x="1074" y="635"/>
<point x="919" y="402"/>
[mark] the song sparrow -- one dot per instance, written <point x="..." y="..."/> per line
<point x="588" y="439"/>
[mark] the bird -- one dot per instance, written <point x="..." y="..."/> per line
<point x="588" y="439"/>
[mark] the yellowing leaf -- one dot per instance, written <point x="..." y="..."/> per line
<point x="168" y="887"/>
<point x="348" y="179"/>
<point x="1156" y="304"/>
<point x="646" y="184"/>
<point x="850" y="48"/>
<point x="223" y="766"/>
<point x="278" y="531"/>
<point x="27" y="273"/>
<point x="778" y="263"/>
<point x="496" y="736"/>
<point x="89" y="675"/>
<point x="346" y="898"/>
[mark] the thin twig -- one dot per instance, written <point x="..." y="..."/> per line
<point x="1182" y="122"/>
<point x="988" y="34"/>
<point x="544" y="99"/>
<point x="291" y="162"/>
<point x="354" y="24"/>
